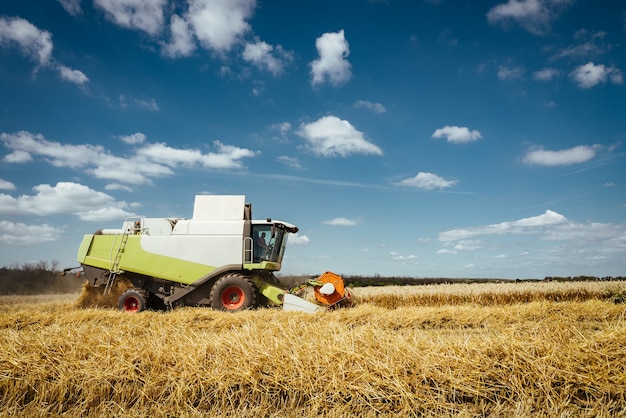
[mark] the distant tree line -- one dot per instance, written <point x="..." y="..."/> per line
<point x="45" y="278"/>
<point x="37" y="278"/>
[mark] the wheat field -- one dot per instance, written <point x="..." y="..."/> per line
<point x="528" y="349"/>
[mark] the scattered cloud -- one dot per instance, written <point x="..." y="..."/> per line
<point x="181" y="42"/>
<point x="146" y="162"/>
<point x="546" y="74"/>
<point x="590" y="75"/>
<point x="266" y="57"/>
<point x="457" y="134"/>
<point x="148" y="104"/>
<point x="6" y="185"/>
<point x="17" y="233"/>
<point x="292" y="162"/>
<point x="590" y="45"/>
<point x="36" y="45"/>
<point x="510" y="73"/>
<point x="72" y="6"/>
<point x="575" y="155"/>
<point x="116" y="186"/>
<point x="136" y="138"/>
<point x="463" y="245"/>
<point x="73" y="76"/>
<point x="564" y="241"/>
<point x="535" y="16"/>
<point x="332" y="66"/>
<point x="341" y="222"/>
<point x="141" y="15"/>
<point x="427" y="181"/>
<point x="65" y="198"/>
<point x="447" y="37"/>
<point x="330" y="136"/>
<point x="374" y="107"/>
<point x="218" y="25"/>
<point x="399" y="257"/>
<point x="281" y="130"/>
<point x="297" y="239"/>
<point x="521" y="226"/>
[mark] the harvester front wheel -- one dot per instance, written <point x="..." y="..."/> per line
<point x="133" y="301"/>
<point x="232" y="293"/>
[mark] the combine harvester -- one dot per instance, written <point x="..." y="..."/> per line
<point x="220" y="258"/>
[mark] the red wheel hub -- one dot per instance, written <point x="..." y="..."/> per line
<point x="233" y="297"/>
<point x="131" y="304"/>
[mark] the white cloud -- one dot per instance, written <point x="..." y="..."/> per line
<point x="290" y="161"/>
<point x="266" y="57"/>
<point x="457" y="134"/>
<point x="115" y="186"/>
<point x="510" y="73"/>
<point x="218" y="24"/>
<point x="147" y="104"/>
<point x="181" y="43"/>
<point x="13" y="233"/>
<point x="374" y="107"/>
<point x="72" y="6"/>
<point x="136" y="138"/>
<point x="591" y="46"/>
<point x="228" y="156"/>
<point x="18" y="157"/>
<point x="427" y="181"/>
<point x="6" y="185"/>
<point x="399" y="257"/>
<point x="555" y="243"/>
<point x="282" y="127"/>
<point x="74" y="76"/>
<point x="297" y="239"/>
<point x="65" y="198"/>
<point x="521" y="226"/>
<point x="333" y="49"/>
<point x="533" y="15"/>
<point x="340" y="222"/>
<point x="575" y="155"/>
<point x="545" y="74"/>
<point x="36" y="44"/>
<point x="330" y="136"/>
<point x="149" y="161"/>
<point x="589" y="75"/>
<point x="145" y="15"/>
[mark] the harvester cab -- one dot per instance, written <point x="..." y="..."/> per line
<point x="220" y="257"/>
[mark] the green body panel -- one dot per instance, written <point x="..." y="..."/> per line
<point x="100" y="251"/>
<point x="263" y="265"/>
<point x="272" y="293"/>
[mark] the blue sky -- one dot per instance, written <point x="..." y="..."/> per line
<point x="410" y="138"/>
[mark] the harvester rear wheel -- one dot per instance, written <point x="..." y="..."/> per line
<point x="133" y="301"/>
<point x="233" y="292"/>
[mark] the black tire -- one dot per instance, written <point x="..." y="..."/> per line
<point x="133" y="301"/>
<point x="232" y="293"/>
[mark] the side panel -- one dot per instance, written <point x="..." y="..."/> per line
<point x="83" y="249"/>
<point x="102" y="250"/>
<point x="213" y="250"/>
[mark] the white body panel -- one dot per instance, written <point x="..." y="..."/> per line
<point x="211" y="250"/>
<point x="213" y="207"/>
<point x="156" y="227"/>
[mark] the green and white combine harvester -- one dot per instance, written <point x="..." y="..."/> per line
<point x="220" y="258"/>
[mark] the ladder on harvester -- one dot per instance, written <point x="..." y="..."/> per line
<point x="115" y="267"/>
